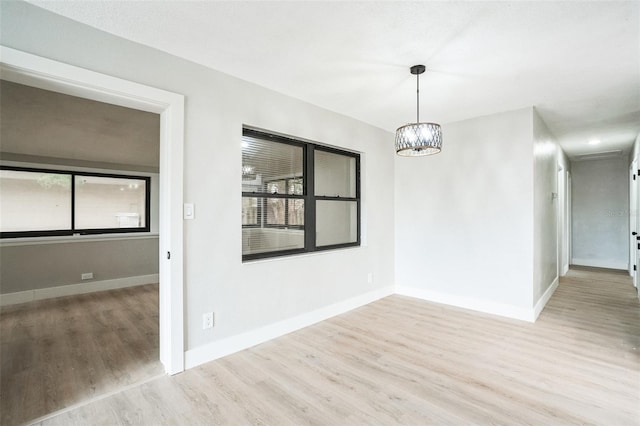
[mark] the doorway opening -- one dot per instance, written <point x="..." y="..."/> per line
<point x="31" y="70"/>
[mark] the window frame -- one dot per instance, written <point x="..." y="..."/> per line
<point x="338" y="198"/>
<point x="308" y="186"/>
<point x="73" y="230"/>
<point x="286" y="197"/>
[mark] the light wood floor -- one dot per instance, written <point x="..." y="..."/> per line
<point x="60" y="352"/>
<point x="406" y="361"/>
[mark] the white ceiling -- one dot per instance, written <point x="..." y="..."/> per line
<point x="577" y="62"/>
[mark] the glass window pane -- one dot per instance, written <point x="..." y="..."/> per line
<point x="249" y="211"/>
<point x="250" y="188"/>
<point x="285" y="212"/>
<point x="33" y="201"/>
<point x="269" y="239"/>
<point x="296" y="212"/>
<point x="336" y="222"/>
<point x="275" y="211"/>
<point x="107" y="202"/>
<point x="295" y="186"/>
<point x="277" y="187"/>
<point x="335" y="175"/>
<point x="264" y="162"/>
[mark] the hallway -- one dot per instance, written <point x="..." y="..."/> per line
<point x="599" y="311"/>
<point x="400" y="360"/>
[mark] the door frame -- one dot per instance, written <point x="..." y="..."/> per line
<point x="560" y="207"/>
<point x="634" y="220"/>
<point x="25" y="68"/>
<point x="563" y="222"/>
<point x="566" y="261"/>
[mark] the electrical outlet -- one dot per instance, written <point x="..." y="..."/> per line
<point x="87" y="276"/>
<point x="207" y="320"/>
<point x="370" y="277"/>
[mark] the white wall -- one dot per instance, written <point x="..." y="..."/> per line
<point x="250" y="295"/>
<point x="600" y="220"/>
<point x="464" y="217"/>
<point x="37" y="266"/>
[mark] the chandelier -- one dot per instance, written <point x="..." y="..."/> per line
<point x="418" y="139"/>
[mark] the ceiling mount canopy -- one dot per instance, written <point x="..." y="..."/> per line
<point x="418" y="139"/>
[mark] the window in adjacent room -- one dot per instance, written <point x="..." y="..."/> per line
<point x="39" y="202"/>
<point x="297" y="196"/>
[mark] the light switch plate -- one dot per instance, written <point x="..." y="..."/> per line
<point x="189" y="211"/>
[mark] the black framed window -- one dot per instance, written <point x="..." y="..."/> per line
<point x="297" y="196"/>
<point x="43" y="202"/>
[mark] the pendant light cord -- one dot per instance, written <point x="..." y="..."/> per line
<point x="417" y="98"/>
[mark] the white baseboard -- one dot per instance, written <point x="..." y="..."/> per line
<point x="479" y="305"/>
<point x="542" y="302"/>
<point x="600" y="263"/>
<point x="72" y="289"/>
<point x="224" y="347"/>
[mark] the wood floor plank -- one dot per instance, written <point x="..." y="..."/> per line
<point x="405" y="361"/>
<point x="59" y="352"/>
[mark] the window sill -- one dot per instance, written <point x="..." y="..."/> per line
<point x="300" y="255"/>
<point x="29" y="241"/>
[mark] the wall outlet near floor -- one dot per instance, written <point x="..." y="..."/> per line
<point x="370" y="277"/>
<point x="207" y="320"/>
<point x="87" y="276"/>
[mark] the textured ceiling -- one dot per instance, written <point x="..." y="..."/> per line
<point x="577" y="62"/>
